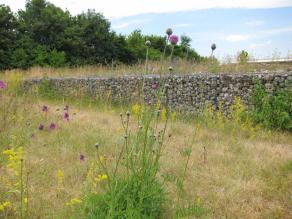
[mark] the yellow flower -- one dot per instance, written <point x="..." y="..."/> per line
<point x="74" y="201"/>
<point x="136" y="109"/>
<point x="4" y="205"/>
<point x="100" y="177"/>
<point x="164" y="114"/>
<point x="60" y="176"/>
<point x="173" y="116"/>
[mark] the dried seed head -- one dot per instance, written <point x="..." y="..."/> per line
<point x="128" y="113"/>
<point x="213" y="47"/>
<point x="169" y="31"/>
<point x="97" y="145"/>
<point x="170" y="68"/>
<point x="121" y="114"/>
<point x="140" y="126"/>
<point x="125" y="136"/>
<point x="169" y="135"/>
<point x="148" y="43"/>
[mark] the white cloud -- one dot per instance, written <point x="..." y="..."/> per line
<point x="237" y="37"/>
<point x="128" y="23"/>
<point x="118" y="8"/>
<point x="120" y="26"/>
<point x="254" y="23"/>
<point x="258" y="45"/>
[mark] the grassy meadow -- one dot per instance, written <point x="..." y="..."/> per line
<point x="64" y="158"/>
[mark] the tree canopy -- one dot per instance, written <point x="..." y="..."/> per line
<point x="45" y="35"/>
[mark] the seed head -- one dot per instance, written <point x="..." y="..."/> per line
<point x="128" y="113"/>
<point x="170" y="68"/>
<point x="97" y="145"/>
<point x="213" y="47"/>
<point x="148" y="43"/>
<point x="169" y="31"/>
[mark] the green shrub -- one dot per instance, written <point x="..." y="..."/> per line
<point x="134" y="197"/>
<point x="272" y="111"/>
<point x="57" y="59"/>
<point x="45" y="88"/>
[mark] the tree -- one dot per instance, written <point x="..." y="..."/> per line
<point x="243" y="57"/>
<point x="8" y="24"/>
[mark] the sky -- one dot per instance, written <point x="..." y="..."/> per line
<point x="261" y="27"/>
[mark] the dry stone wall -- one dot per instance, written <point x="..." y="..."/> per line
<point x="185" y="91"/>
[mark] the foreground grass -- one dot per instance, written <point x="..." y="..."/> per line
<point x="231" y="173"/>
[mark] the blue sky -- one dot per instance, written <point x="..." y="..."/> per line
<point x="262" y="32"/>
<point x="262" y="27"/>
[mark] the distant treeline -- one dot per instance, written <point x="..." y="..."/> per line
<point x="45" y="35"/>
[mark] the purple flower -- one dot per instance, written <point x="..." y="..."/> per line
<point x="66" y="108"/>
<point x="173" y="39"/>
<point x="82" y="157"/>
<point x="41" y="127"/>
<point x="66" y="116"/>
<point x="3" y="86"/>
<point x="154" y="86"/>
<point x="52" y="126"/>
<point x="149" y="102"/>
<point x="45" y="108"/>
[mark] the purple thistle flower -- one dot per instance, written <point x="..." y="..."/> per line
<point x="66" y="108"/>
<point x="41" y="127"/>
<point x="82" y="157"/>
<point x="52" y="126"/>
<point x="45" y="108"/>
<point x="173" y="39"/>
<point x="66" y="116"/>
<point x="3" y="86"/>
<point x="154" y="86"/>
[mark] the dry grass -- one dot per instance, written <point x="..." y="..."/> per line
<point x="180" y="67"/>
<point x="235" y="176"/>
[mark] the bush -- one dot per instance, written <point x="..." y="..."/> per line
<point x="272" y="111"/>
<point x="45" y="88"/>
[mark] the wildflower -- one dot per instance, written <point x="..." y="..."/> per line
<point x="136" y="109"/>
<point x="3" y="86"/>
<point x="66" y="108"/>
<point x="52" y="126"/>
<point x="73" y="201"/>
<point x="164" y="114"/>
<point x="82" y="157"/>
<point x="45" y="108"/>
<point x="60" y="176"/>
<point x="173" y="39"/>
<point x="173" y="116"/>
<point x="41" y="127"/>
<point x="66" y="116"/>
<point x="100" y="177"/>
<point x="154" y="86"/>
<point x="169" y="31"/>
<point x="5" y="205"/>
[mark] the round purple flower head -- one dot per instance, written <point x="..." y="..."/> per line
<point x="173" y="39"/>
<point x="52" y="126"/>
<point x="45" y="108"/>
<point x="3" y="86"/>
<point x="82" y="157"/>
<point x="41" y="127"/>
<point x="66" y="116"/>
<point x="154" y="86"/>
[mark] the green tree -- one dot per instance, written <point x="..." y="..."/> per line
<point x="8" y="24"/>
